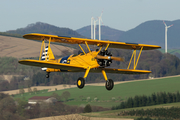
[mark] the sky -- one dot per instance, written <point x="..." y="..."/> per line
<point x="74" y="14"/>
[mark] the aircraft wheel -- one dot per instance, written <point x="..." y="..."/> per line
<point x="80" y="83"/>
<point x="47" y="75"/>
<point x="109" y="84"/>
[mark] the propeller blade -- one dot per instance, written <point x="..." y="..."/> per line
<point x="109" y="58"/>
<point x="117" y="58"/>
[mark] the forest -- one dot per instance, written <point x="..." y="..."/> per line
<point x="164" y="113"/>
<point x="160" y="64"/>
<point x="154" y="99"/>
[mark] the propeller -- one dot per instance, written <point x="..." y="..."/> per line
<point x="109" y="58"/>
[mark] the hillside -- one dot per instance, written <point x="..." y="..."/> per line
<point x="107" y="33"/>
<point x="153" y="32"/>
<point x="45" y="28"/>
<point x="22" y="48"/>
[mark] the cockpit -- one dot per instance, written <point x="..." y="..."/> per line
<point x="81" y="52"/>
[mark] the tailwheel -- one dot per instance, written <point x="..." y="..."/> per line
<point x="47" y="75"/>
<point x="109" y="84"/>
<point x="80" y="82"/>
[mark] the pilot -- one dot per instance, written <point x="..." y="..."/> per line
<point x="80" y="51"/>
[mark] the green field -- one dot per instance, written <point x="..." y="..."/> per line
<point x="101" y="97"/>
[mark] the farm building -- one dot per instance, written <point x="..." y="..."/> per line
<point x="40" y="99"/>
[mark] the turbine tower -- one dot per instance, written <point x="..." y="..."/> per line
<point x="95" y="29"/>
<point x="100" y="20"/>
<point x="92" y="23"/>
<point x="166" y="29"/>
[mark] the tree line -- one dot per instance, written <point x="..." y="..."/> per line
<point x="148" y="118"/>
<point x="153" y="99"/>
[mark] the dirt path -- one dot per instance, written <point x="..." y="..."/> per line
<point x="50" y="88"/>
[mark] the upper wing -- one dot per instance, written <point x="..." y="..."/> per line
<point x="72" y="40"/>
<point x="122" y="71"/>
<point x="51" y="65"/>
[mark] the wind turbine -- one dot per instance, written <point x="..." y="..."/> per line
<point x="93" y="26"/>
<point x="92" y="23"/>
<point x="100" y="20"/>
<point x="166" y="29"/>
<point x="95" y="29"/>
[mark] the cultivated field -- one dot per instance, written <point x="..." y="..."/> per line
<point x="105" y="115"/>
<point x="114" y="113"/>
<point x="23" y="48"/>
<point x="78" y="117"/>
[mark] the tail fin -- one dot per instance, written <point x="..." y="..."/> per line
<point x="47" y="55"/>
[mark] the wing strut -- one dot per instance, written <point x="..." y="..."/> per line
<point x="88" y="46"/>
<point x="44" y="46"/>
<point x="82" y="49"/>
<point x="107" y="46"/>
<point x="135" y="60"/>
<point x="41" y="49"/>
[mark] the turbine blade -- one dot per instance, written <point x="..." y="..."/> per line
<point x="164" y="23"/>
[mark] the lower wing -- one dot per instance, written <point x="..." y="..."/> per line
<point x="49" y="64"/>
<point x="121" y="71"/>
<point x="62" y="66"/>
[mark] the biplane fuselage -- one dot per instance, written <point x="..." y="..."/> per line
<point x="81" y="59"/>
<point x="91" y="61"/>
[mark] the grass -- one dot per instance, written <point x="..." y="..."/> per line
<point x="101" y="97"/>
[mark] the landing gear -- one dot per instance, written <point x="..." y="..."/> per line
<point x="109" y="84"/>
<point x="47" y="75"/>
<point x="80" y="82"/>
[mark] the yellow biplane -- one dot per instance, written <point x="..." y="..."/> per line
<point x="91" y="61"/>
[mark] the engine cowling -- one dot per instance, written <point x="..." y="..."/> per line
<point x="104" y="62"/>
